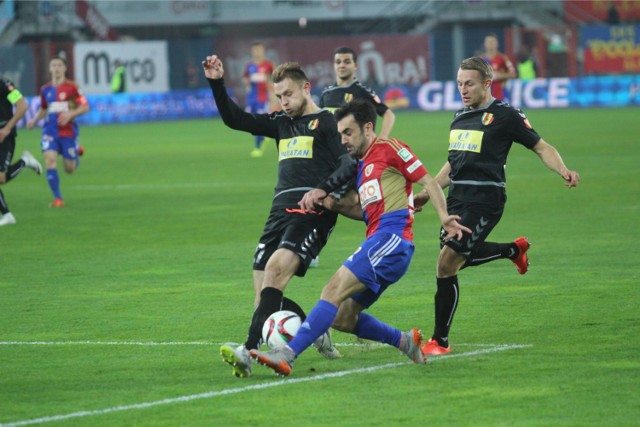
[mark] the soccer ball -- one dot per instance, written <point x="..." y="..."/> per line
<point x="280" y="328"/>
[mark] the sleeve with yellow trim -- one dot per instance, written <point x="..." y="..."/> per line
<point x="236" y="118"/>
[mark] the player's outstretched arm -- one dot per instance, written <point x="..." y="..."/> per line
<point x="39" y="115"/>
<point x="449" y="222"/>
<point x="442" y="178"/>
<point x="388" y="120"/>
<point x="348" y="205"/>
<point x="312" y="198"/>
<point x="232" y="115"/>
<point x="213" y="68"/>
<point x="552" y="159"/>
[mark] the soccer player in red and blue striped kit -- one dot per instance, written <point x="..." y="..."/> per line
<point x="386" y="170"/>
<point x="61" y="102"/>
<point x="257" y="79"/>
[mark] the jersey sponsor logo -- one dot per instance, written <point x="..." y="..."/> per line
<point x="348" y="97"/>
<point x="413" y="166"/>
<point x="368" y="170"/>
<point x="405" y="154"/>
<point x="465" y="140"/>
<point x="313" y="124"/>
<point x="300" y="147"/>
<point x="487" y="119"/>
<point x="58" y="107"/>
<point x="370" y="192"/>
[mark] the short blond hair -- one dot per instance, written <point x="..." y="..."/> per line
<point x="480" y="65"/>
<point x="291" y="70"/>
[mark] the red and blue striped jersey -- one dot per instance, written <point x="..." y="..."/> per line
<point x="258" y="76"/>
<point x="59" y="99"/>
<point x="386" y="173"/>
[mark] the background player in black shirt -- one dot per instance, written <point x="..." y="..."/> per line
<point x="309" y="149"/>
<point x="348" y="87"/>
<point x="479" y="142"/>
<point x="10" y="96"/>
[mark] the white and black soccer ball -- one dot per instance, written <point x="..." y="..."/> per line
<point x="280" y="328"/>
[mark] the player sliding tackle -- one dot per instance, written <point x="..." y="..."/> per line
<point x="386" y="170"/>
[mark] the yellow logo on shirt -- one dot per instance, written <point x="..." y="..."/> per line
<point x="299" y="147"/>
<point x="465" y="140"/>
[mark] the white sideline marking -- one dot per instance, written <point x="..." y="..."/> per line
<point x="152" y="344"/>
<point x="278" y="383"/>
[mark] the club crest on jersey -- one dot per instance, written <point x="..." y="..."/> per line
<point x="313" y="124"/>
<point x="62" y="96"/>
<point x="368" y="170"/>
<point x="487" y="119"/>
<point x="348" y="97"/>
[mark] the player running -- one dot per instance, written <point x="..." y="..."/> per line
<point x="480" y="138"/>
<point x="61" y="101"/>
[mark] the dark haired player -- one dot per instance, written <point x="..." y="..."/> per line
<point x="479" y="142"/>
<point x="61" y="102"/>
<point x="309" y="149"/>
<point x="386" y="171"/>
<point x="348" y="88"/>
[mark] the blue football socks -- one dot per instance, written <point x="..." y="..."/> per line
<point x="54" y="182"/>
<point x="317" y="323"/>
<point x="370" y="328"/>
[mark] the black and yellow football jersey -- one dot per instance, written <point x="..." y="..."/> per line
<point x="334" y="96"/>
<point x="308" y="147"/>
<point x="479" y="142"/>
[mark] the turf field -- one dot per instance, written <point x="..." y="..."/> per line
<point x="112" y="308"/>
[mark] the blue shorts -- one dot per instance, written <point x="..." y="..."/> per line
<point x="66" y="147"/>
<point x="379" y="262"/>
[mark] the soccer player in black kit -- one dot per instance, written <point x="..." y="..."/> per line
<point x="10" y="96"/>
<point x="309" y="151"/>
<point x="348" y="87"/>
<point x="479" y="142"/>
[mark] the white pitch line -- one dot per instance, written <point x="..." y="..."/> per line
<point x="278" y="383"/>
<point x="171" y="343"/>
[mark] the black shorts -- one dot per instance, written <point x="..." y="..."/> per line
<point x="7" y="148"/>
<point x="303" y="233"/>
<point x="480" y="218"/>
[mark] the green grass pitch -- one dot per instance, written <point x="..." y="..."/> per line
<point x="155" y="245"/>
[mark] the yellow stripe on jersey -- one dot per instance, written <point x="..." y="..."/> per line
<point x="300" y="147"/>
<point x="465" y="140"/>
